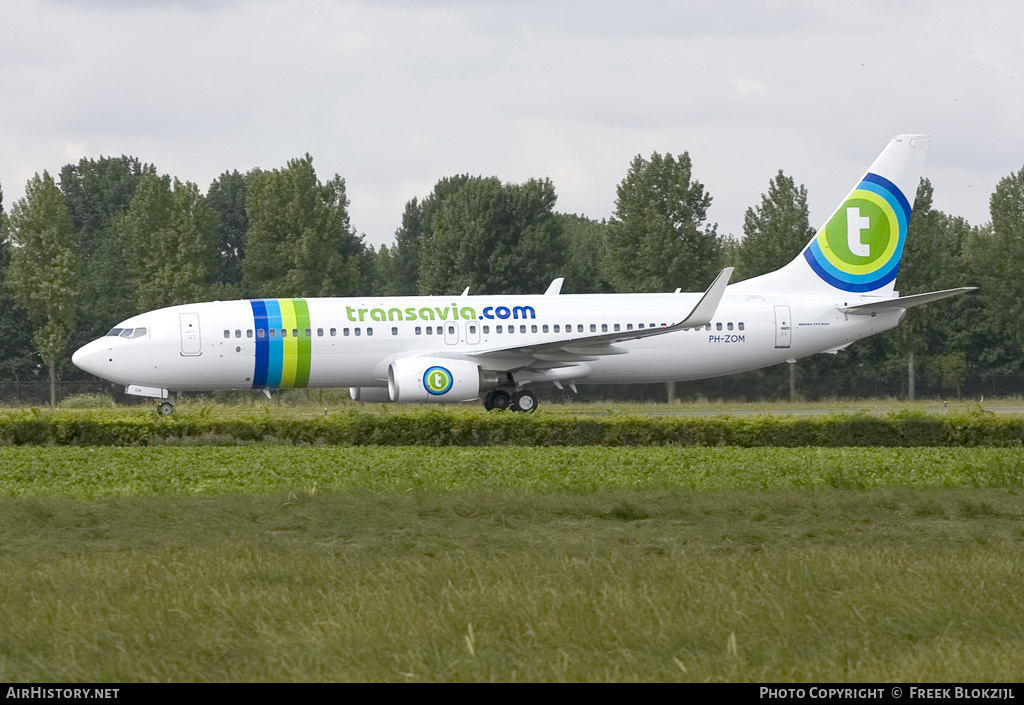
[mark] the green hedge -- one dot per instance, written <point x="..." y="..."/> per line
<point x="438" y="427"/>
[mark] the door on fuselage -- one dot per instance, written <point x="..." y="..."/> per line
<point x="191" y="343"/>
<point x="783" y="327"/>
<point x="451" y="333"/>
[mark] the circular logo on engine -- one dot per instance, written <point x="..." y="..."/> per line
<point x="437" y="380"/>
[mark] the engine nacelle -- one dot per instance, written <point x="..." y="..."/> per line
<point x="369" y="395"/>
<point x="435" y="380"/>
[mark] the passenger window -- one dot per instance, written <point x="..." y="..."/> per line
<point x="487" y="330"/>
<point x="273" y="332"/>
<point x="227" y="334"/>
<point x="238" y="333"/>
<point x="430" y="330"/>
<point x="579" y="327"/>
<point x="640" y="325"/>
<point x="558" y="328"/>
<point x="359" y="331"/>
<point x="345" y="332"/>
<point x="394" y="330"/>
<point x="718" y="326"/>
<point x="334" y="332"/>
<point x="617" y="327"/>
<point x="728" y="326"/>
<point x="472" y="329"/>
<point x="295" y="332"/>
<point x="260" y="333"/>
<point x="284" y="332"/>
<point x="545" y="328"/>
<point x="248" y="332"/>
<point x="522" y="328"/>
<point x="309" y="333"/>
<point x="369" y="331"/>
<point x="629" y="326"/>
<point x="593" y="327"/>
<point x="497" y="329"/>
<point x="533" y="328"/>
<point x="320" y="332"/>
<point x="604" y="327"/>
<point x="741" y="326"/>
<point x="419" y="331"/>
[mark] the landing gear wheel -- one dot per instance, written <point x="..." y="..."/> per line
<point x="524" y="400"/>
<point x="165" y="408"/>
<point x="496" y="400"/>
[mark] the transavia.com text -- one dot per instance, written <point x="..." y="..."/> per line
<point x="913" y="693"/>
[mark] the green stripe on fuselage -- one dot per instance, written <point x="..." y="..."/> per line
<point x="297" y="344"/>
<point x="305" y="343"/>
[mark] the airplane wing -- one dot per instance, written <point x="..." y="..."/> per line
<point x="903" y="302"/>
<point x="582" y="348"/>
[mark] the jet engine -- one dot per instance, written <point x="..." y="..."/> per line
<point x="437" y="380"/>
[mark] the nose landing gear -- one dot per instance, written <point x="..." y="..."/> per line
<point x="165" y="408"/>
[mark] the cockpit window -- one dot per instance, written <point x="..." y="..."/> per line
<point x="127" y="333"/>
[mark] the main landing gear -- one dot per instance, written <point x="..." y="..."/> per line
<point x="499" y="400"/>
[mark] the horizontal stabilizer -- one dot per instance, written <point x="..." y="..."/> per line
<point x="903" y="302"/>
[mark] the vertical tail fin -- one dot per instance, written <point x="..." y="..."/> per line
<point x="858" y="250"/>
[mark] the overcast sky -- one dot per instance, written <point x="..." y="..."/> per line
<point x="396" y="94"/>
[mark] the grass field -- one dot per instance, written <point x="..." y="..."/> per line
<point x="280" y="563"/>
<point x="88" y="472"/>
<point x="741" y="586"/>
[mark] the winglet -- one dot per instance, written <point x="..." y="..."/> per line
<point x="555" y="287"/>
<point x="705" y="309"/>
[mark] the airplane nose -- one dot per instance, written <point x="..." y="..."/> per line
<point x="89" y="357"/>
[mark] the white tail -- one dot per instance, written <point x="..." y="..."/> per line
<point x="858" y="250"/>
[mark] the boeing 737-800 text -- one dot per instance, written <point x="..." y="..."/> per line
<point x="839" y="289"/>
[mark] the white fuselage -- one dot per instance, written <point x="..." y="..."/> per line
<point x="350" y="342"/>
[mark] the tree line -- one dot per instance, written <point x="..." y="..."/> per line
<point x="111" y="237"/>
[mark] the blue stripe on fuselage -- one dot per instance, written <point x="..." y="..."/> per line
<point x="259" y="316"/>
<point x="275" y="358"/>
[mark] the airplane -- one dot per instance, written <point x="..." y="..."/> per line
<point x="440" y="349"/>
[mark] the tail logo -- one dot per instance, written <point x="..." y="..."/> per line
<point x="859" y="249"/>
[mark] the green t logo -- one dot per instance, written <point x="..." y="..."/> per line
<point x="858" y="234"/>
<point x="437" y="380"/>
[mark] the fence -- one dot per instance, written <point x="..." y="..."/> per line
<point x="752" y="387"/>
